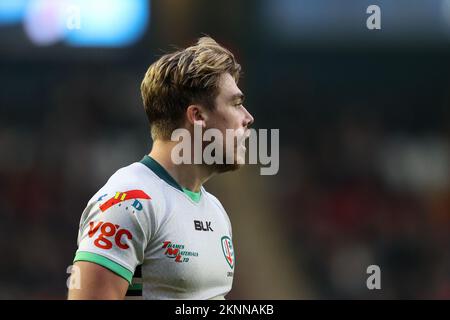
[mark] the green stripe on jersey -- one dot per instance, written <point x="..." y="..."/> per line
<point x="104" y="262"/>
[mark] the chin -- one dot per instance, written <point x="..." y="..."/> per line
<point x="239" y="161"/>
<point x="222" y="168"/>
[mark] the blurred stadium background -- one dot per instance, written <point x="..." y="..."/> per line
<point x="364" y="119"/>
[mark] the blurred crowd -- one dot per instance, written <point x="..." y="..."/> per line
<point x="53" y="160"/>
<point x="364" y="199"/>
<point x="355" y="192"/>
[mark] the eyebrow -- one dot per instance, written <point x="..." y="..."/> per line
<point x="237" y="96"/>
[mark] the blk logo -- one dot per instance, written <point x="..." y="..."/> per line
<point x="200" y="227"/>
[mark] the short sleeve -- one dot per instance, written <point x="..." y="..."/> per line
<point x="114" y="231"/>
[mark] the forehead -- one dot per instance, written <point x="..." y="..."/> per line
<point x="227" y="87"/>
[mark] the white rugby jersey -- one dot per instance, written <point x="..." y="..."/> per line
<point x="167" y="245"/>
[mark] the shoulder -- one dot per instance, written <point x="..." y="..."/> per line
<point x="214" y="200"/>
<point x="135" y="184"/>
<point x="218" y="204"/>
<point x="134" y="190"/>
<point x="135" y="176"/>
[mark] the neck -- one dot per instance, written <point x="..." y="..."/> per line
<point x="189" y="176"/>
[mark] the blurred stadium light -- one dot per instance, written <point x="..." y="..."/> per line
<point x="110" y="22"/>
<point x="44" y="21"/>
<point x="101" y="23"/>
<point x="12" y="11"/>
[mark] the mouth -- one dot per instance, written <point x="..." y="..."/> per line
<point x="242" y="149"/>
<point x="245" y="137"/>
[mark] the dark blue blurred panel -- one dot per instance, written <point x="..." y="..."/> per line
<point x="302" y="22"/>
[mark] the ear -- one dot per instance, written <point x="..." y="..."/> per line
<point x="196" y="115"/>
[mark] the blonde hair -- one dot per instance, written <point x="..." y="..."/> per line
<point x="185" y="77"/>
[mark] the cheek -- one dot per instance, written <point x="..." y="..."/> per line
<point x="232" y="119"/>
<point x="227" y="119"/>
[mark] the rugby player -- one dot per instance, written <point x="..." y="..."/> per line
<point x="153" y="231"/>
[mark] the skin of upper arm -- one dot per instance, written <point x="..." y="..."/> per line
<point x="98" y="283"/>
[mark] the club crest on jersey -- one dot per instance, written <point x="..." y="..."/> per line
<point x="124" y="196"/>
<point x="228" y="250"/>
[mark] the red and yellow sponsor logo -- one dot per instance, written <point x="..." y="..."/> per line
<point x="108" y="233"/>
<point x="123" y="196"/>
<point x="177" y="251"/>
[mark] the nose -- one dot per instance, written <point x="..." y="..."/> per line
<point x="248" y="118"/>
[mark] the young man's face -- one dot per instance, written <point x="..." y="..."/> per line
<point x="229" y="113"/>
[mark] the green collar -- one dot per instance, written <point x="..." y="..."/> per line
<point x="158" y="169"/>
<point x="195" y="196"/>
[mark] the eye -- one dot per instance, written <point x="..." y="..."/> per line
<point x="238" y="103"/>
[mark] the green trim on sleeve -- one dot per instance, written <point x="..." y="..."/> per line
<point x="104" y="262"/>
